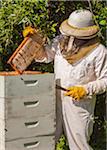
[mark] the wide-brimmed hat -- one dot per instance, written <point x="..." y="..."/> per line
<point x="80" y="24"/>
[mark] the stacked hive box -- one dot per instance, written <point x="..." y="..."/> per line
<point x="27" y="112"/>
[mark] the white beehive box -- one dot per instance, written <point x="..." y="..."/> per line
<point x="27" y="112"/>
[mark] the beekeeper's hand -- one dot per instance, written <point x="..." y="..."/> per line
<point x="28" y="30"/>
<point x="76" y="92"/>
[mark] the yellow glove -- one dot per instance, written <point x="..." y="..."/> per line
<point x="28" y="30"/>
<point x="76" y="92"/>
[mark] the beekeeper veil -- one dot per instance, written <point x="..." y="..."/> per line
<point x="79" y="25"/>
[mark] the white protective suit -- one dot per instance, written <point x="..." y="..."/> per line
<point x="91" y="73"/>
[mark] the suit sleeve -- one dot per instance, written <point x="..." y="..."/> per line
<point x="50" y="51"/>
<point x="100" y="84"/>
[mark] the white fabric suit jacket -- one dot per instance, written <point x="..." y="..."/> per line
<point x="89" y="72"/>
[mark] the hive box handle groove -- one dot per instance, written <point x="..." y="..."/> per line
<point x="31" y="145"/>
<point x="30" y="82"/>
<point x="31" y="124"/>
<point x="31" y="104"/>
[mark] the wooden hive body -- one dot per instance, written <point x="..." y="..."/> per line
<point x="27" y="112"/>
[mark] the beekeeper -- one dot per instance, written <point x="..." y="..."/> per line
<point x="80" y="64"/>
